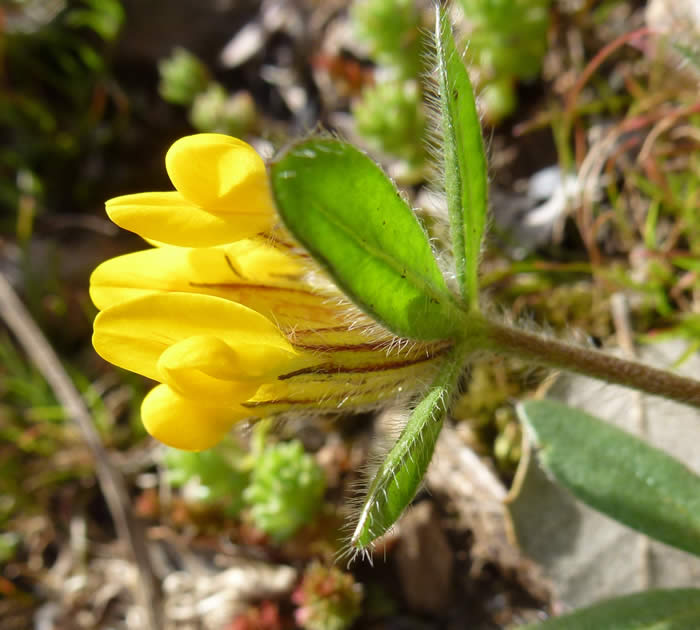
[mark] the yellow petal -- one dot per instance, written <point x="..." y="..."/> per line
<point x="221" y="174"/>
<point x="130" y="276"/>
<point x="249" y="271"/>
<point x="168" y="268"/>
<point x="205" y="367"/>
<point x="259" y="261"/>
<point x="166" y="217"/>
<point x="184" y="423"/>
<point x="134" y="334"/>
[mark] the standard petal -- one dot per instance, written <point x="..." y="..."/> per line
<point x="221" y="174"/>
<point x="134" y="334"/>
<point x="166" y="217"/>
<point x="185" y="423"/>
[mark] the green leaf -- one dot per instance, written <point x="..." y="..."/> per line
<point x="652" y="610"/>
<point x="398" y="478"/>
<point x="616" y="473"/>
<point x="347" y="213"/>
<point x="466" y="184"/>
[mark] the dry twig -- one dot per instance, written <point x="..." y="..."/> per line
<point x="20" y="322"/>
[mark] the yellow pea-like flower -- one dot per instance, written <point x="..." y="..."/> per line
<point x="228" y="315"/>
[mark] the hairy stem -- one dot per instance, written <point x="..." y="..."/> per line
<point x="556" y="354"/>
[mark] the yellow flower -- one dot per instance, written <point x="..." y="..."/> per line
<point x="228" y="315"/>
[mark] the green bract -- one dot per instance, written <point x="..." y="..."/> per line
<point x="617" y="473"/>
<point x="347" y="213"/>
<point x="397" y="480"/>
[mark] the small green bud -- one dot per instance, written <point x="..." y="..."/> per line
<point x="212" y="476"/>
<point x="182" y="77"/>
<point x="507" y="42"/>
<point x="392" y="30"/>
<point x="214" y="110"/>
<point x="286" y="490"/>
<point x="391" y="116"/>
<point x="507" y="445"/>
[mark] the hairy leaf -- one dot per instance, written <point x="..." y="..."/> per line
<point x="348" y="214"/>
<point x="651" y="610"/>
<point x="616" y="473"/>
<point x="397" y="480"/>
<point x="464" y="159"/>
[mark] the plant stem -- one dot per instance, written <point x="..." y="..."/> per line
<point x="110" y="480"/>
<point x="557" y="354"/>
